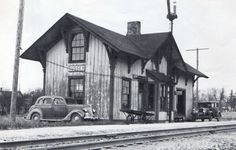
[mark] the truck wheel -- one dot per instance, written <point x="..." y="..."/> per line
<point x="76" y="118"/>
<point x="210" y="118"/>
<point x="36" y="117"/>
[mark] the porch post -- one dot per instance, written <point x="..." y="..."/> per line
<point x="145" y="94"/>
<point x="157" y="100"/>
<point x="44" y="80"/>
<point x="112" y="60"/>
<point x="171" y="102"/>
<point x="166" y="97"/>
<point x="112" y="67"/>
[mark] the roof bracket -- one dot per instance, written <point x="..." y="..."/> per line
<point x="42" y="58"/>
<point x="196" y="79"/>
<point x="144" y="62"/>
<point x="131" y="61"/>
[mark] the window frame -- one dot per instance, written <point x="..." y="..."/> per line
<point x="72" y="35"/>
<point x="69" y="88"/>
<point x="129" y="95"/>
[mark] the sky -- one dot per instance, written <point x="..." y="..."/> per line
<point x="200" y="24"/>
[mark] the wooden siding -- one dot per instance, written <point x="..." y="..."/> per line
<point x="163" y="66"/>
<point x="189" y="94"/>
<point x="56" y="74"/>
<point x="121" y="70"/>
<point x="150" y="65"/>
<point x="98" y="77"/>
<point x="96" y="74"/>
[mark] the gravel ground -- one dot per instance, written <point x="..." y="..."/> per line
<point x="219" y="141"/>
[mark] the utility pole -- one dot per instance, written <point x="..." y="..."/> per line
<point x="17" y="61"/>
<point x="197" y="59"/>
<point x="171" y="16"/>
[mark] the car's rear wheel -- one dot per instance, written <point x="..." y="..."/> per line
<point x="76" y="118"/>
<point x="36" y="117"/>
<point x="210" y="118"/>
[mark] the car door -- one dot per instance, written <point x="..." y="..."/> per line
<point x="59" y="108"/>
<point x="46" y="108"/>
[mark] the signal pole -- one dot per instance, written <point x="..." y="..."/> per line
<point x="197" y="59"/>
<point x="17" y="61"/>
<point x="171" y="16"/>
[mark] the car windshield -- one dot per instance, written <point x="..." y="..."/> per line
<point x="201" y="110"/>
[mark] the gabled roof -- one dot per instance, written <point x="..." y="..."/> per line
<point x="143" y="46"/>
<point x="191" y="70"/>
<point x="149" y="43"/>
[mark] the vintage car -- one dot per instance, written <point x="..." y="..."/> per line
<point x="56" y="108"/>
<point x="207" y="110"/>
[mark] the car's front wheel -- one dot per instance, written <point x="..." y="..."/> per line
<point x="36" y="117"/>
<point x="76" y="118"/>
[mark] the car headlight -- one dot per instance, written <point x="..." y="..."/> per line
<point x="85" y="110"/>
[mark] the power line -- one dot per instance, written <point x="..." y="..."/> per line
<point x="90" y="73"/>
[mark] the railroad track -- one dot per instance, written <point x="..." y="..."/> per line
<point x="114" y="140"/>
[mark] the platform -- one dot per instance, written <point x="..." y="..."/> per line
<point x="56" y="132"/>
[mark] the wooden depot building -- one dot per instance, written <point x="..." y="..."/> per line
<point x="112" y="71"/>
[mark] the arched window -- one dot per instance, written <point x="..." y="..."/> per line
<point x="78" y="52"/>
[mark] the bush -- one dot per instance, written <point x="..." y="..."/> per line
<point x="6" y="123"/>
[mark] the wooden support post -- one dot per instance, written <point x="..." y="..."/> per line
<point x="17" y="61"/>
<point x="171" y="102"/>
<point x="157" y="100"/>
<point x="112" y="68"/>
<point x="166" y="97"/>
<point x="112" y="60"/>
<point x="145" y="94"/>
<point x="44" y="81"/>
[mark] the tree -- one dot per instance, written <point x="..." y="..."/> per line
<point x="232" y="100"/>
<point x="222" y="99"/>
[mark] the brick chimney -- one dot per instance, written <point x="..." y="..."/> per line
<point x="134" y="28"/>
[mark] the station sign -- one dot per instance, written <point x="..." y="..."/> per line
<point x="76" y="68"/>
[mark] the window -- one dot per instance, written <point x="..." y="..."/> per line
<point x="58" y="101"/>
<point x="125" y="94"/>
<point x="77" y="52"/>
<point x="76" y="89"/>
<point x="47" y="101"/>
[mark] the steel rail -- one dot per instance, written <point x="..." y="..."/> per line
<point x="103" y="140"/>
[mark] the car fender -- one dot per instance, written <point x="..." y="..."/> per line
<point x="80" y="112"/>
<point x="36" y="110"/>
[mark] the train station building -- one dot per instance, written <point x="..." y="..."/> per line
<point x="111" y="71"/>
